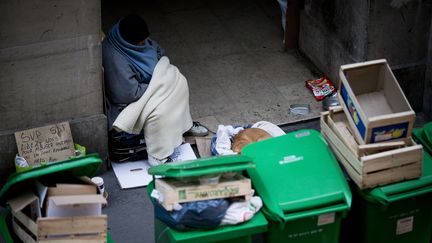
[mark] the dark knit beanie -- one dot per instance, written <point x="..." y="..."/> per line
<point x="133" y="29"/>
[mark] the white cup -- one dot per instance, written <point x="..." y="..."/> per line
<point x="99" y="182"/>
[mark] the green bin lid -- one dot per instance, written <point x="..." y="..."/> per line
<point x="424" y="136"/>
<point x="297" y="176"/>
<point x="258" y="224"/>
<point x="82" y="166"/>
<point x="198" y="167"/>
<point x="405" y="189"/>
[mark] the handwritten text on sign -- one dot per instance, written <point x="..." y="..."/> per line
<point x="45" y="144"/>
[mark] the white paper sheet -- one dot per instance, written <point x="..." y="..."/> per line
<point x="41" y="192"/>
<point x="134" y="174"/>
<point x="183" y="152"/>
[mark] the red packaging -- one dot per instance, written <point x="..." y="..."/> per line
<point x="320" y="88"/>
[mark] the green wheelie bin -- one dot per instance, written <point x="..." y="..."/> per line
<point x="241" y="233"/>
<point x="397" y="213"/>
<point x="58" y="171"/>
<point x="304" y="191"/>
<point x="424" y="136"/>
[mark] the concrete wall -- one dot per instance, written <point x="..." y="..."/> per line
<point x="399" y="31"/>
<point x="334" y="33"/>
<point x="427" y="100"/>
<point x="51" y="71"/>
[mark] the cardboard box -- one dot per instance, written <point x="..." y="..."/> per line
<point x="374" y="164"/>
<point x="177" y="191"/>
<point x="374" y="103"/>
<point x="73" y="213"/>
<point x="44" y="145"/>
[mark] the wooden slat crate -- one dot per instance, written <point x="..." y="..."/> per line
<point x="63" y="229"/>
<point x="176" y="191"/>
<point x="376" y="106"/>
<point x="373" y="164"/>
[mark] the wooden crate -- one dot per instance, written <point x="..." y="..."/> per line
<point x="177" y="191"/>
<point x="63" y="229"/>
<point x="374" y="103"/>
<point x="374" y="164"/>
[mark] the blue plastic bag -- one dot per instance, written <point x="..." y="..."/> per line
<point x="206" y="214"/>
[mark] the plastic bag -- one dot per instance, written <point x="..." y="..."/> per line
<point x="206" y="214"/>
<point x="239" y="212"/>
<point x="21" y="164"/>
<point x="321" y="88"/>
<point x="224" y="134"/>
<point x="221" y="143"/>
<point x="269" y="127"/>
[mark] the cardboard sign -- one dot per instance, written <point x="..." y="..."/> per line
<point x="45" y="144"/>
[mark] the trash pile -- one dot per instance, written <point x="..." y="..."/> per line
<point x="52" y="196"/>
<point x="56" y="201"/>
<point x="200" y="194"/>
<point x="231" y="139"/>
<point x="323" y="90"/>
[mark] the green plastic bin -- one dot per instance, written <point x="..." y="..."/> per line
<point x="397" y="213"/>
<point x="241" y="233"/>
<point x="424" y="136"/>
<point x="58" y="171"/>
<point x="304" y="191"/>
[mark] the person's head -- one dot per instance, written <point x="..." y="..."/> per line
<point x="133" y="29"/>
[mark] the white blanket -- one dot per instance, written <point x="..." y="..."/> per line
<point x="163" y="111"/>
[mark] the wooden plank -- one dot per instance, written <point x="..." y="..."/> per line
<point x="392" y="175"/>
<point x="203" y="145"/>
<point x="21" y="233"/>
<point x="374" y="104"/>
<point x="338" y="123"/>
<point x="176" y="191"/>
<point x="80" y="239"/>
<point x="392" y="158"/>
<point x="378" y="147"/>
<point x="26" y="221"/>
<point x="334" y="109"/>
<point x="190" y="139"/>
<point x="342" y="148"/>
<point x="72" y="225"/>
<point x="393" y="117"/>
<point x="362" y="64"/>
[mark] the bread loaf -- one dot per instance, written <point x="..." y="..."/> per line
<point x="247" y="136"/>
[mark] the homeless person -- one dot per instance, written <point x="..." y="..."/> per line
<point x="145" y="93"/>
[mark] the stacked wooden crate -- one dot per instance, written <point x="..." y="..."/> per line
<point x="370" y="132"/>
<point x="372" y="164"/>
<point x="176" y="190"/>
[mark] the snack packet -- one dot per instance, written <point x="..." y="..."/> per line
<point x="320" y="88"/>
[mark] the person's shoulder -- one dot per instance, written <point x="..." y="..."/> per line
<point x="108" y="50"/>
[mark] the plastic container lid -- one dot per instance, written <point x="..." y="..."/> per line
<point x="82" y="166"/>
<point x="424" y="136"/>
<point x="198" y="167"/>
<point x="297" y="176"/>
